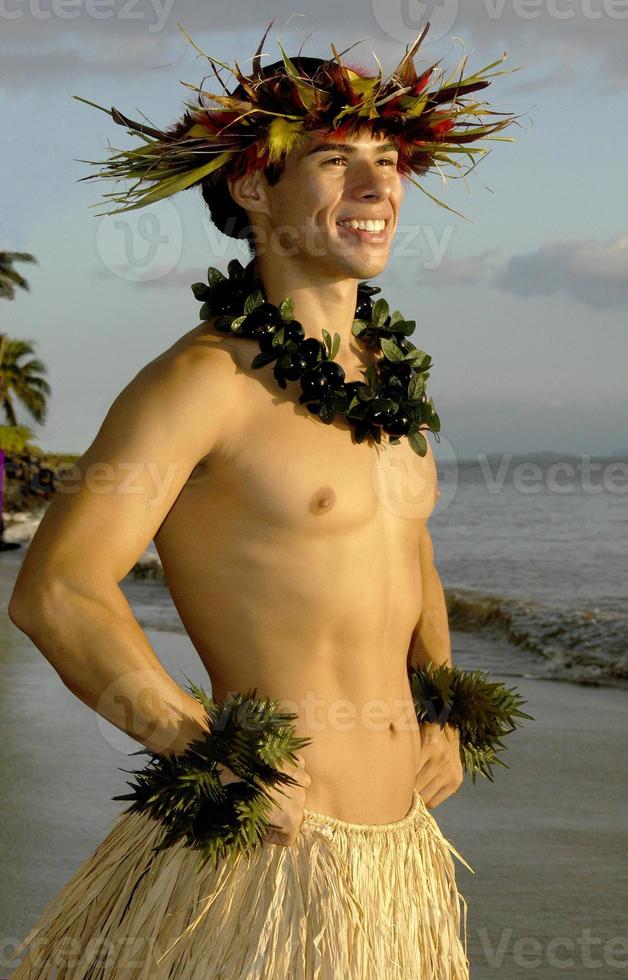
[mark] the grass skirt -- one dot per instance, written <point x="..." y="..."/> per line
<point x="357" y="901"/>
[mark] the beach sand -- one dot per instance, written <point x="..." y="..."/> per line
<point x="548" y="839"/>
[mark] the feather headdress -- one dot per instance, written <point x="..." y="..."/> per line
<point x="266" y="116"/>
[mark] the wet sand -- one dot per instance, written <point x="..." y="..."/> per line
<point x="548" y="839"/>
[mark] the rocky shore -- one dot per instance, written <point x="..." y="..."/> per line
<point x="29" y="486"/>
<point x="20" y="526"/>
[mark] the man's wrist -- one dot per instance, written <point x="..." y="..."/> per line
<point x="191" y="728"/>
<point x="434" y="728"/>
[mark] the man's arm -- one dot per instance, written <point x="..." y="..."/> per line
<point x="440" y="768"/>
<point x="430" y="638"/>
<point x="67" y="598"/>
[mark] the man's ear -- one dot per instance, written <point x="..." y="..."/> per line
<point x="249" y="192"/>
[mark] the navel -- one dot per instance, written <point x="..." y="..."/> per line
<point x="323" y="500"/>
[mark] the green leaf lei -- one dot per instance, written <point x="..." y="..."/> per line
<point x="482" y="711"/>
<point x="248" y="735"/>
<point x="393" y="399"/>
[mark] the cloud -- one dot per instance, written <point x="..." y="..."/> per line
<point x="24" y="68"/>
<point x="470" y="270"/>
<point x="561" y="35"/>
<point x="593" y="273"/>
<point x="130" y="36"/>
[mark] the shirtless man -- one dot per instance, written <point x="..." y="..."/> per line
<point x="291" y="566"/>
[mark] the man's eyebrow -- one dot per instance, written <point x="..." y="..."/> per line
<point x="348" y="148"/>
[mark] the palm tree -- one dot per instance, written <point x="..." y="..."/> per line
<point x="9" y="277"/>
<point x="22" y="380"/>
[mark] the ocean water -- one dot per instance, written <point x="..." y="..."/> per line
<point x="533" y="555"/>
<point x="532" y="552"/>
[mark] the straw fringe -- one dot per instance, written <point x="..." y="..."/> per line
<point x="357" y="901"/>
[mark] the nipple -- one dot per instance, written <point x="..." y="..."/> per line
<point x="323" y="499"/>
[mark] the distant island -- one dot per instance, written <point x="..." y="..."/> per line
<point x="540" y="456"/>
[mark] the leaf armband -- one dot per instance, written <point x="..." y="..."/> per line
<point x="482" y="711"/>
<point x="250" y="736"/>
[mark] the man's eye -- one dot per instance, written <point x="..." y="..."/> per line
<point x="333" y="160"/>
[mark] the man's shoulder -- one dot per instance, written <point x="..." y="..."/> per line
<point x="193" y="384"/>
<point x="200" y="359"/>
<point x="200" y="345"/>
<point x="193" y="379"/>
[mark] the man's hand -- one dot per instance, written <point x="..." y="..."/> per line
<point x="288" y="811"/>
<point x="440" y="770"/>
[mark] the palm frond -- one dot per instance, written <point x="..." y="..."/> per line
<point x="10" y="277"/>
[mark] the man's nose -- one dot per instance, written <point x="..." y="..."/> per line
<point x="373" y="180"/>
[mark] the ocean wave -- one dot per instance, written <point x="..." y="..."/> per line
<point x="587" y="646"/>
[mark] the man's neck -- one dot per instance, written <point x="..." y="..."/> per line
<point x="319" y="303"/>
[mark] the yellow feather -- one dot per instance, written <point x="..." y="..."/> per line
<point x="283" y="135"/>
<point x="415" y="106"/>
<point x="198" y="130"/>
<point x="364" y="86"/>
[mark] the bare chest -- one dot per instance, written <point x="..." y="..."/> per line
<point x="285" y="469"/>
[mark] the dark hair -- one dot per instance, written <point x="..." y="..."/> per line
<point x="225" y="213"/>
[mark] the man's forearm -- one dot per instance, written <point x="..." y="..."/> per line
<point x="431" y="639"/>
<point x="104" y="657"/>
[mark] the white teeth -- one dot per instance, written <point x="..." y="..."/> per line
<point x="364" y="225"/>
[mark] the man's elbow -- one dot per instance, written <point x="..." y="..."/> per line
<point x="31" y="606"/>
<point x="16" y="609"/>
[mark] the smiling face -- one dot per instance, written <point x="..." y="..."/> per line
<point x="326" y="182"/>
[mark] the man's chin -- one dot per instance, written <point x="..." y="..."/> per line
<point x="366" y="267"/>
<point x="364" y="262"/>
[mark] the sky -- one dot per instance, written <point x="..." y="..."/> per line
<point x="522" y="303"/>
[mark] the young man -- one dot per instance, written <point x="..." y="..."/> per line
<point x="295" y="572"/>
